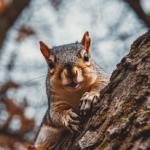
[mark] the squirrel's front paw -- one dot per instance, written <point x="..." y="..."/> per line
<point x="88" y="99"/>
<point x="72" y="121"/>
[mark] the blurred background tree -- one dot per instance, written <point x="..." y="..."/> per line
<point x="113" y="26"/>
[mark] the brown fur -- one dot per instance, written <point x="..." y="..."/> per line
<point x="73" y="85"/>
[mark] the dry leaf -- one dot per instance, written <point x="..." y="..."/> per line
<point x="3" y="5"/>
<point x="24" y="32"/>
<point x="31" y="148"/>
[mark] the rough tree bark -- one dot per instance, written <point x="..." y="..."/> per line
<point x="122" y="118"/>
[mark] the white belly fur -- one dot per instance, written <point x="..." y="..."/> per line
<point x="47" y="134"/>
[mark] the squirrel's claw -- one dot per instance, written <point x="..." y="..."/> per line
<point x="88" y="99"/>
<point x="74" y="128"/>
<point x="72" y="121"/>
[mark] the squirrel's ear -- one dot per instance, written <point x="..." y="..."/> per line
<point x="45" y="50"/>
<point x="86" y="42"/>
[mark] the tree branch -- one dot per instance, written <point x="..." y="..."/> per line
<point x="9" y="16"/>
<point x="135" y="5"/>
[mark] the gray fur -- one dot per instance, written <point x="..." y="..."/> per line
<point x="68" y="53"/>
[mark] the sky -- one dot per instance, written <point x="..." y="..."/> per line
<point x="112" y="25"/>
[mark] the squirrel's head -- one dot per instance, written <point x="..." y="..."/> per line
<point x="70" y="66"/>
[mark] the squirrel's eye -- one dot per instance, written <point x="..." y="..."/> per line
<point x="86" y="57"/>
<point x="51" y="65"/>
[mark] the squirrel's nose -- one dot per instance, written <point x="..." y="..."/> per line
<point x="70" y="71"/>
<point x="71" y="76"/>
<point x="69" y="67"/>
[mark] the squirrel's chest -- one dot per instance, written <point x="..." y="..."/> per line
<point x="73" y="98"/>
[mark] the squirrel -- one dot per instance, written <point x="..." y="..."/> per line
<point x="73" y="86"/>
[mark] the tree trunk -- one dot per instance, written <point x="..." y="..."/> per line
<point x="122" y="119"/>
